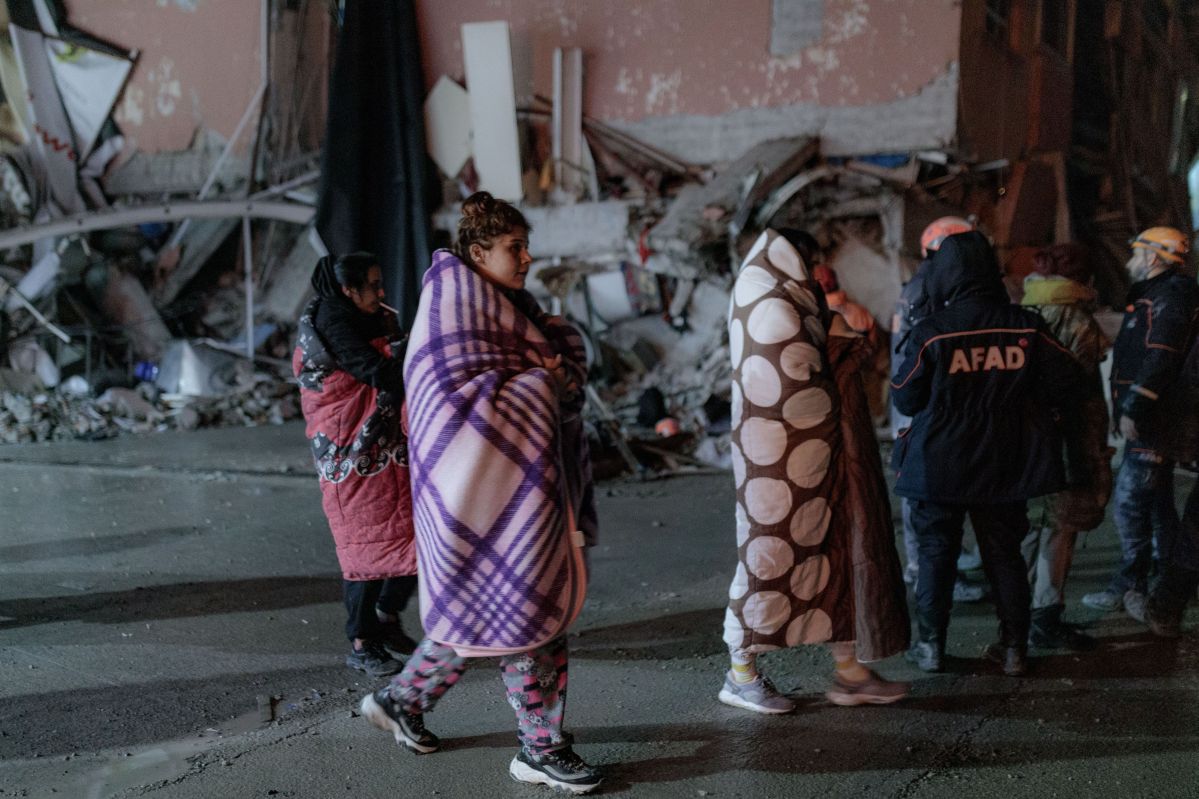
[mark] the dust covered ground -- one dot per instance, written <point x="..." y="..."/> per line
<point x="160" y="595"/>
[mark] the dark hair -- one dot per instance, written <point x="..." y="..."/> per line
<point x="804" y="242"/>
<point x="1066" y="260"/>
<point x="484" y="219"/>
<point x="351" y="269"/>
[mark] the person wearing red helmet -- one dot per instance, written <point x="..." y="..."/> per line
<point x="983" y="380"/>
<point x="911" y="308"/>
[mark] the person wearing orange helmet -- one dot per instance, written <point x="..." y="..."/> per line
<point x="911" y="308"/>
<point x="1154" y="410"/>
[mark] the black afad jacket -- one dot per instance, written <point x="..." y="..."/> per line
<point x="981" y="378"/>
<point x="1153" y="381"/>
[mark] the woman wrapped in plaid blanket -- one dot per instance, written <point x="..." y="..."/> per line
<point x="502" y="493"/>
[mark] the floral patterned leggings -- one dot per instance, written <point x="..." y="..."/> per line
<point x="535" y="682"/>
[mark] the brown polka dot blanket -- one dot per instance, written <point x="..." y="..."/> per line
<point x="815" y="543"/>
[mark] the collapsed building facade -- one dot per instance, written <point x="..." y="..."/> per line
<point x="647" y="143"/>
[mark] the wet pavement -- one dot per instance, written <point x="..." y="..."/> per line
<point x="161" y="595"/>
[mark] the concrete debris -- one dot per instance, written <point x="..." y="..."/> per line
<point x="689" y="237"/>
<point x="64" y="415"/>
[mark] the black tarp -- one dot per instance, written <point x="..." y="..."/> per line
<point x="374" y="169"/>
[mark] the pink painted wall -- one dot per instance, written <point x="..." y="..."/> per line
<point x="198" y="64"/>
<point x="669" y="57"/>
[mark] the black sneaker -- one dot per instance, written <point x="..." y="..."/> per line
<point x="1164" y="622"/>
<point x="397" y="643"/>
<point x="408" y="728"/>
<point x="561" y="768"/>
<point x="1062" y="635"/>
<point x="373" y="659"/>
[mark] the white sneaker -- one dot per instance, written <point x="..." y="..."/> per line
<point x="1135" y="605"/>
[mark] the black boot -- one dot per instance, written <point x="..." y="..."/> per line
<point x="1010" y="652"/>
<point x="1048" y="631"/>
<point x="1168" y="602"/>
<point x="1011" y="658"/>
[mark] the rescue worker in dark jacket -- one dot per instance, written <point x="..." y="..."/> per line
<point x="1157" y="412"/>
<point x="910" y="309"/>
<point x="980" y="378"/>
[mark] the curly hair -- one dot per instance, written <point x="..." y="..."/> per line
<point x="484" y="219"/>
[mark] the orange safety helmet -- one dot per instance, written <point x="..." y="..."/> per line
<point x="1170" y="243"/>
<point x="940" y="229"/>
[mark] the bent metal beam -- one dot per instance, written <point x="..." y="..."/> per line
<point x="157" y="212"/>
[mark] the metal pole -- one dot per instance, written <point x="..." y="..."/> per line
<point x="255" y="103"/>
<point x="248" y="255"/>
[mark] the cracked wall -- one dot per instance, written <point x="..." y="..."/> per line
<point x="198" y="64"/>
<point x="700" y="79"/>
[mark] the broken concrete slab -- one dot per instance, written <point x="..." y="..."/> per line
<point x="176" y="172"/>
<point x="199" y="243"/>
<point x="868" y="277"/>
<point x="290" y="284"/>
<point x="126" y="303"/>
<point x="693" y="219"/>
<point x="924" y="120"/>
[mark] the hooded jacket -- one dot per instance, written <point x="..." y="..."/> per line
<point x="981" y="378"/>
<point x="1153" y="382"/>
<point x="351" y="390"/>
<point x="348" y="332"/>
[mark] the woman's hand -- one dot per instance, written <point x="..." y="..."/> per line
<point x="567" y="388"/>
<point x="839" y="327"/>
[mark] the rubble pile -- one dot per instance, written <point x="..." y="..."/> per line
<point x="63" y="416"/>
<point x="117" y="265"/>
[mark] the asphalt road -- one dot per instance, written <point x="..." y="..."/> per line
<point x="159" y="595"/>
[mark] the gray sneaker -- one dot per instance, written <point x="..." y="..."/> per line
<point x="1135" y="604"/>
<point x="965" y="592"/>
<point x="758" y="695"/>
<point x="1107" y="601"/>
<point x="373" y="659"/>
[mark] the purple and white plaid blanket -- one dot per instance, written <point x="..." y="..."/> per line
<point x="495" y="459"/>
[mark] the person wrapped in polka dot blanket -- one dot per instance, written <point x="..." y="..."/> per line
<point x="815" y="543"/>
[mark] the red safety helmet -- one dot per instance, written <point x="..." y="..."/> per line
<point x="939" y="229"/>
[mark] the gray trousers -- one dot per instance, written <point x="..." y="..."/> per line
<point x="1049" y="553"/>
